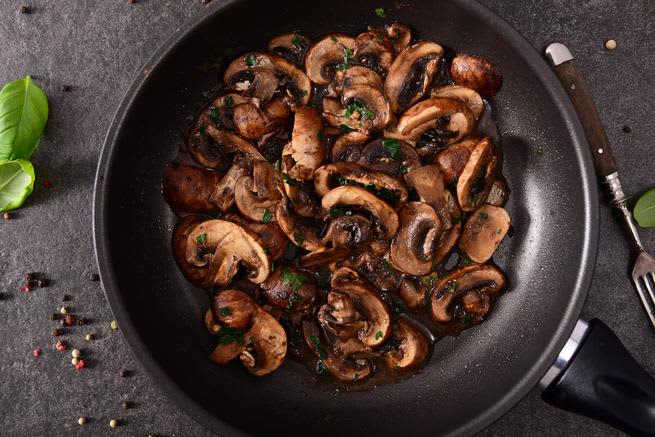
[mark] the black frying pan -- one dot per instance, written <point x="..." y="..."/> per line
<point x="471" y="380"/>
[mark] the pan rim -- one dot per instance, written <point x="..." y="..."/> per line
<point x="521" y="387"/>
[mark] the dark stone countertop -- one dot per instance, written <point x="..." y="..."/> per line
<point x="97" y="47"/>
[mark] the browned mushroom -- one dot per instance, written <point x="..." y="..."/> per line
<point x="463" y="94"/>
<point x="224" y="246"/>
<point x="476" y="73"/>
<point x="399" y="34"/>
<point x="331" y="52"/>
<point x="374" y="51"/>
<point x="257" y="196"/>
<point x="408" y="347"/>
<point x="298" y="232"/>
<point x="357" y="75"/>
<point x="195" y="275"/>
<point x="290" y="289"/>
<point x="453" y="159"/>
<point x="391" y="156"/>
<point x="412" y="292"/>
<point x="270" y="234"/>
<point x="483" y="232"/>
<point x="232" y="144"/>
<point x="290" y="46"/>
<point x="348" y="147"/>
<point x="413" y="248"/>
<point x="234" y="309"/>
<point x="484" y="279"/>
<point x="367" y="106"/>
<point x="254" y="124"/>
<point x="210" y="322"/>
<point x="223" y="194"/>
<point x="499" y="192"/>
<point x="306" y="151"/>
<point x="347" y="231"/>
<point x="187" y="188"/>
<point x="411" y="73"/>
<point x="477" y="177"/>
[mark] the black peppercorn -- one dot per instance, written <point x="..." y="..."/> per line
<point x="94" y="277"/>
<point x="25" y="9"/>
<point x="56" y="332"/>
<point x="65" y="88"/>
<point x="125" y="373"/>
<point x="54" y="316"/>
<point x="127" y="405"/>
<point x="81" y="321"/>
<point x="627" y="129"/>
<point x="66" y="298"/>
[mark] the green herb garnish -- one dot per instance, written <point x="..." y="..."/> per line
<point x="230" y="335"/>
<point x="484" y="216"/>
<point x="229" y="102"/>
<point x="299" y="41"/>
<point x="267" y="216"/>
<point x="295" y="298"/>
<point x="353" y="107"/>
<point x="345" y="128"/>
<point x="393" y="147"/>
<point x="214" y="114"/>
<point x="219" y="62"/>
<point x="453" y="287"/>
<point x="201" y="239"/>
<point x="334" y="39"/>
<point x="250" y="60"/>
<point x="299" y="239"/>
<point x="644" y="210"/>
<point x="380" y="37"/>
<point x="16" y="183"/>
<point x="379" y="335"/>
<point x="380" y="12"/>
<point x="276" y="166"/>
<point x="224" y="311"/>
<point x="455" y="221"/>
<point x="288" y="179"/>
<point x="292" y="279"/>
<point x="335" y="212"/>
<point x="540" y="151"/>
<point x="316" y="342"/>
<point x="320" y="135"/>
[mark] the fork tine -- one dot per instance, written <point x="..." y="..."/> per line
<point x="647" y="303"/>
<point x="650" y="287"/>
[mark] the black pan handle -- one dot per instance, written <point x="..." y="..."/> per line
<point x="569" y="74"/>
<point x="604" y="382"/>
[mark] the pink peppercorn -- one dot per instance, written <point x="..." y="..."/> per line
<point x="68" y="320"/>
<point x="37" y="352"/>
<point x="61" y="346"/>
<point x="25" y="288"/>
<point x="80" y="364"/>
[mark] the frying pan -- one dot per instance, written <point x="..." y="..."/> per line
<point x="470" y="380"/>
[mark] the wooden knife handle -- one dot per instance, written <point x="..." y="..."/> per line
<point x="571" y="77"/>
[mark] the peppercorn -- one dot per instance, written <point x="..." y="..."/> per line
<point x="75" y="361"/>
<point x="36" y="352"/>
<point x="94" y="277"/>
<point x="69" y="319"/>
<point x="88" y="337"/>
<point x="113" y="423"/>
<point x="25" y="288"/>
<point x="75" y="353"/>
<point x="610" y="44"/>
<point x="61" y="345"/>
<point x="54" y="316"/>
<point x="81" y="420"/>
<point x="7" y="216"/>
<point x="65" y="88"/>
<point x="41" y="283"/>
<point x="125" y="373"/>
<point x="80" y="364"/>
<point x="63" y="310"/>
<point x="56" y="332"/>
<point x="627" y="129"/>
<point x="25" y="9"/>
<point x="81" y="321"/>
<point x="114" y="325"/>
<point x="66" y="298"/>
<point x="127" y="405"/>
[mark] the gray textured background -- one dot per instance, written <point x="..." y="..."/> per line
<point x="97" y="47"/>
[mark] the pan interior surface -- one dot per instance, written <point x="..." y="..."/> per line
<point x="470" y="380"/>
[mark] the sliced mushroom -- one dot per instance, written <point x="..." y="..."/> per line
<point x="327" y="54"/>
<point x="234" y="309"/>
<point x="183" y="228"/>
<point x="306" y="151"/>
<point x="266" y="344"/>
<point x="324" y="256"/>
<point x="391" y="156"/>
<point x="463" y="94"/>
<point x="428" y="183"/>
<point x="297" y="232"/>
<point x="413" y="248"/>
<point x="290" y="289"/>
<point x="224" y="246"/>
<point x="340" y="317"/>
<point x="301" y="195"/>
<point x="476" y="73"/>
<point x="483" y="232"/>
<point x="374" y="51"/>
<point x="359" y="197"/>
<point x="223" y="194"/>
<point x="231" y="144"/>
<point x="188" y="188"/>
<point x="357" y="75"/>
<point x="335" y="115"/>
<point x="210" y="322"/>
<point x="412" y="292"/>
<point x="269" y="234"/>
<point x="374" y="312"/>
<point x="477" y="177"/>
<point x="449" y="119"/>
<point x="367" y="106"/>
<point x="329" y="176"/>
<point x="499" y="192"/>
<point x="408" y="347"/>
<point x="343" y="367"/>
<point x="377" y="270"/>
<point x="257" y="196"/>
<point x="290" y="46"/>
<point x="348" y="147"/>
<point x="476" y="304"/>
<point x="400" y="35"/>
<point x="449" y="237"/>
<point x="297" y="84"/>
<point x="453" y="159"/>
<point x="484" y="279"/>
<point x="347" y="231"/>
<point x="411" y="74"/>
<point x="254" y="124"/>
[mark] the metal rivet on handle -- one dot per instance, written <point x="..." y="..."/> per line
<point x="600" y="151"/>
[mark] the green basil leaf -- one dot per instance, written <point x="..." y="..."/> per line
<point x="16" y="183"/>
<point x="23" y="114"/>
<point x="644" y="210"/>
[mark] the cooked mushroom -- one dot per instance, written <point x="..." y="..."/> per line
<point x="347" y="231"/>
<point x="477" y="177"/>
<point x="324" y="256"/>
<point x="297" y="232"/>
<point x="330" y="176"/>
<point x="476" y="73"/>
<point x="367" y="106"/>
<point x="372" y="310"/>
<point x="428" y="183"/>
<point x="483" y="232"/>
<point x="463" y="94"/>
<point x="357" y="75"/>
<point x="269" y="234"/>
<point x="359" y="197"/>
<point x="253" y="124"/>
<point x="453" y="159"/>
<point x="408" y="347"/>
<point x="484" y="279"/>
<point x="187" y="188"/>
<point x="224" y="246"/>
<point x="301" y="195"/>
<point x="210" y="322"/>
<point x="450" y="236"/>
<point x="223" y="194"/>
<point x="266" y="344"/>
<point x="290" y="46"/>
<point x="348" y="147"/>
<point x="449" y="119"/>
<point x="257" y="196"/>
<point x="195" y="275"/>
<point x="288" y="288"/>
<point x="331" y="52"/>
<point x="400" y="35"/>
<point x="306" y="151"/>
<point x="411" y="73"/>
<point x="413" y="248"/>
<point x="344" y="367"/>
<point x="231" y="144"/>
<point x="377" y="270"/>
<point x="412" y="292"/>
<point x="499" y="192"/>
<point x="391" y="156"/>
<point x="374" y="51"/>
<point x="234" y="309"/>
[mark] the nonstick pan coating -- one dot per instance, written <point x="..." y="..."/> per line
<point x="470" y="380"/>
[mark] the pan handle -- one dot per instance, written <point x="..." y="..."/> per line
<point x="597" y="377"/>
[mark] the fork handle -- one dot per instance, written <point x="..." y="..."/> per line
<point x="571" y="77"/>
<point x="604" y="382"/>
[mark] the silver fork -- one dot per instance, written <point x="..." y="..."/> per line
<point x="643" y="272"/>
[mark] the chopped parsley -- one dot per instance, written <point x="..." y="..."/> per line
<point x="348" y="55"/>
<point x="484" y="216"/>
<point x="201" y="239"/>
<point x="299" y="41"/>
<point x="380" y="37"/>
<point x="224" y="311"/>
<point x="272" y="266"/>
<point x="302" y="93"/>
<point x="334" y="39"/>
<point x="454" y="221"/>
<point x="335" y="212"/>
<point x="295" y="298"/>
<point x="292" y="279"/>
<point x="267" y="216"/>
<point x="230" y="335"/>
<point x="453" y="287"/>
<point x="214" y="114"/>
<point x="250" y="60"/>
<point x="299" y="239"/>
<point x="345" y="128"/>
<point x="320" y="135"/>
<point x="316" y="342"/>
<point x="402" y="169"/>
<point x="429" y="280"/>
<point x="361" y="110"/>
<point x="467" y="319"/>
<point x="379" y="335"/>
<point x="288" y="179"/>
<point x="229" y="101"/>
<point x="386" y="265"/>
<point x="540" y="151"/>
<point x="276" y="166"/>
<point x="393" y="147"/>
<point x="380" y="12"/>
<point x="208" y="94"/>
